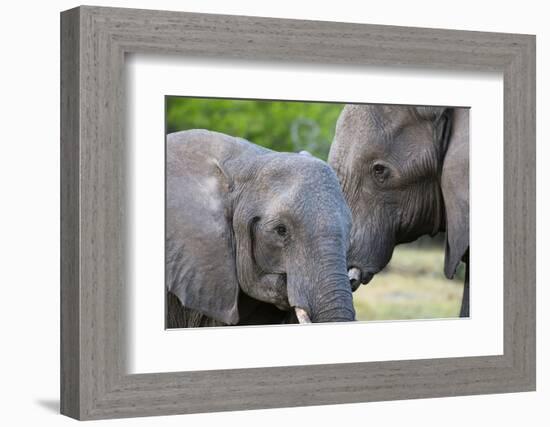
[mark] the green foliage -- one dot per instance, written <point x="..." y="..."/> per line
<point x="279" y="125"/>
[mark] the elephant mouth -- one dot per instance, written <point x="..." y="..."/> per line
<point x="358" y="277"/>
<point x="282" y="302"/>
<point x="301" y="314"/>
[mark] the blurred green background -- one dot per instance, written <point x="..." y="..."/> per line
<point x="412" y="286"/>
<point x="278" y="125"/>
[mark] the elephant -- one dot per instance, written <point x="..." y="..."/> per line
<point x="404" y="171"/>
<point x="253" y="236"/>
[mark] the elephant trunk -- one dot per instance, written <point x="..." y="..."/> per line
<point x="325" y="296"/>
<point x="335" y="306"/>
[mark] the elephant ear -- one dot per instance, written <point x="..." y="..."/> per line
<point x="455" y="189"/>
<point x="200" y="255"/>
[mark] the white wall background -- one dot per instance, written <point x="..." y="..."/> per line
<point x="29" y="212"/>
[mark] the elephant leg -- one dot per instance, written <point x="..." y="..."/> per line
<point x="178" y="316"/>
<point x="175" y="313"/>
<point x="465" y="306"/>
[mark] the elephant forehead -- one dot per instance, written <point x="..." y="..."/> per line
<point x="300" y="169"/>
<point x="382" y="118"/>
<point x="315" y="204"/>
<point x="384" y="125"/>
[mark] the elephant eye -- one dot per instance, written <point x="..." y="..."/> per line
<point x="281" y="230"/>
<point x="380" y="172"/>
<point x="379" y="169"/>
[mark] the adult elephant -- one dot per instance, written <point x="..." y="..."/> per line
<point x="404" y="172"/>
<point x="253" y="236"/>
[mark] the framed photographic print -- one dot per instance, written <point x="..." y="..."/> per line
<point x="261" y="213"/>
<point x="276" y="216"/>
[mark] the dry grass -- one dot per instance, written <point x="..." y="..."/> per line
<point x="412" y="286"/>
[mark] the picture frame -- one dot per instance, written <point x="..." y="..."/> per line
<point x="94" y="42"/>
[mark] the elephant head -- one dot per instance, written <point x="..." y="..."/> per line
<point x="404" y="173"/>
<point x="247" y="225"/>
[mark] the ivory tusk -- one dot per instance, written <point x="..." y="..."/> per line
<point x="302" y="315"/>
<point x="354" y="274"/>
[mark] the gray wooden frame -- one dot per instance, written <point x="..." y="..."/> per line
<point x="94" y="42"/>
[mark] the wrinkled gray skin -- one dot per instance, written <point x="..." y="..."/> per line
<point x="253" y="234"/>
<point x="404" y="172"/>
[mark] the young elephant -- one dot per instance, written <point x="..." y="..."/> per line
<point x="405" y="173"/>
<point x="253" y="236"/>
